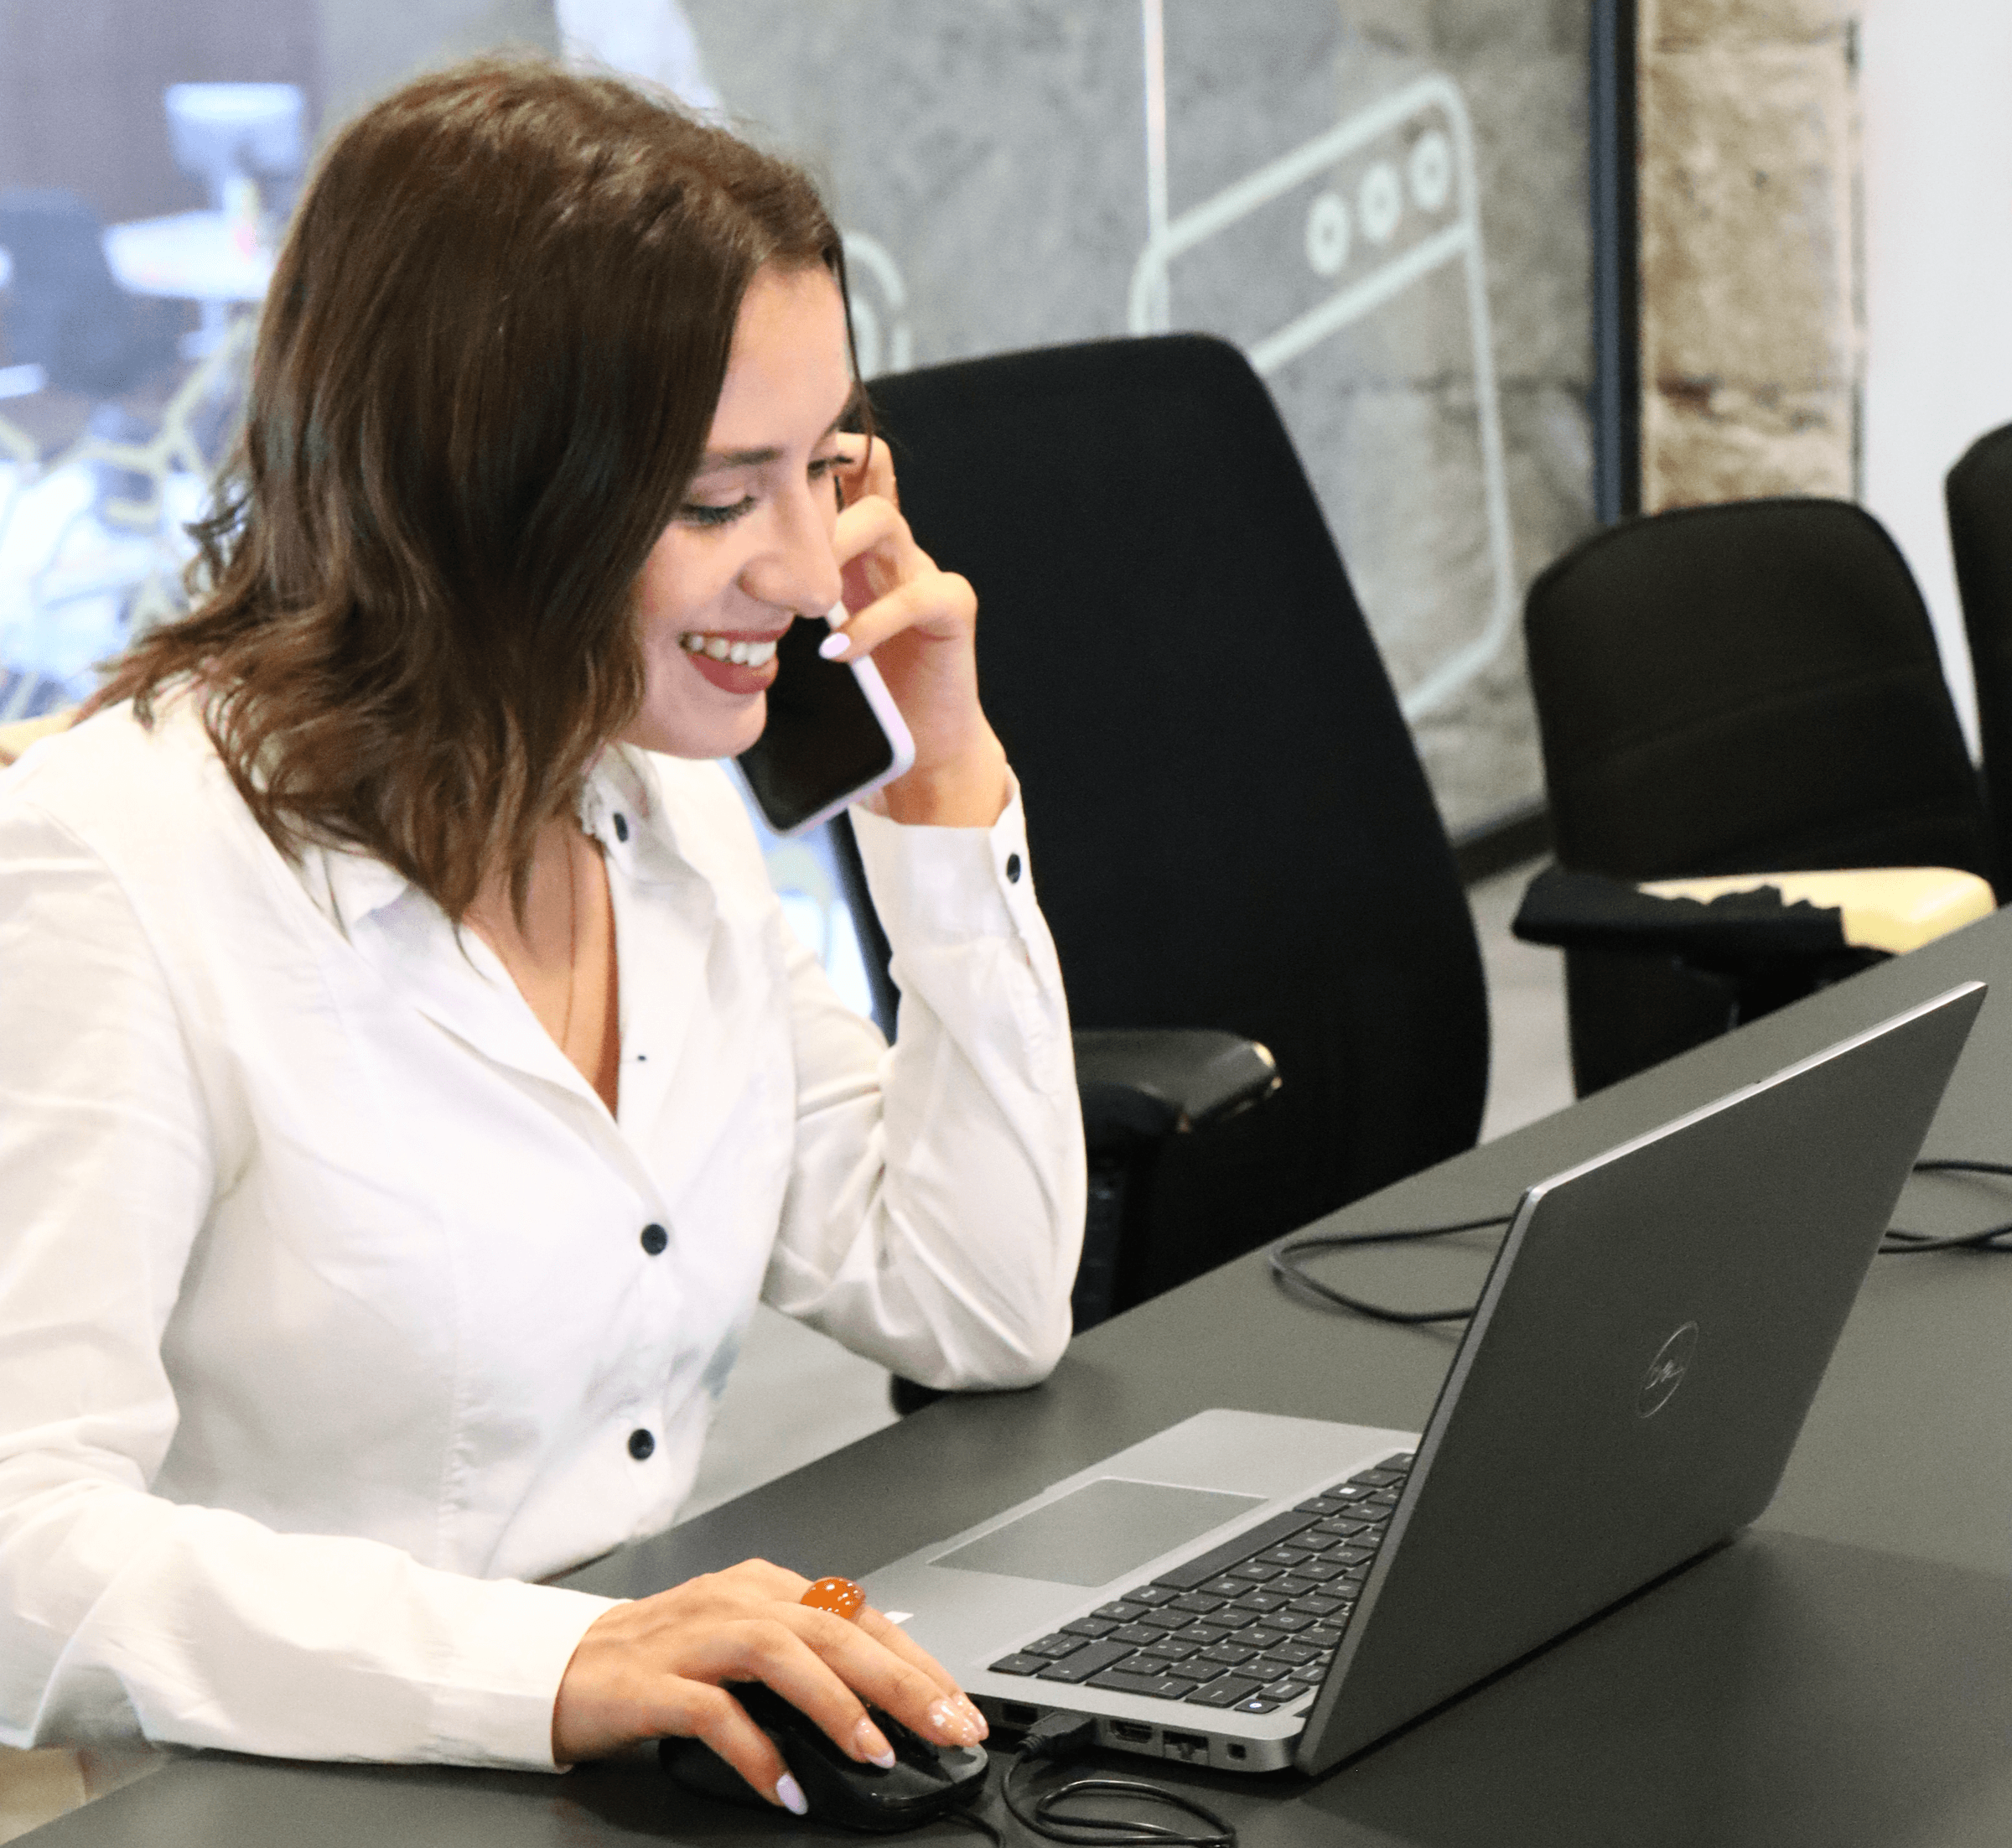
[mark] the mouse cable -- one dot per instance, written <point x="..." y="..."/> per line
<point x="1063" y="1735"/>
<point x="1288" y="1267"/>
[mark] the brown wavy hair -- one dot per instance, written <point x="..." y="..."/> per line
<point x="488" y="360"/>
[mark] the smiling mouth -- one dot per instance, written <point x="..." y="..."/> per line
<point x="737" y="650"/>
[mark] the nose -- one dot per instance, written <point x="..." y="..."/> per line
<point x="798" y="570"/>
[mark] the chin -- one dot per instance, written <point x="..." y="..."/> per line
<point x="699" y="737"/>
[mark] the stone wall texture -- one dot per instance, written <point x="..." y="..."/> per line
<point x="1751" y="322"/>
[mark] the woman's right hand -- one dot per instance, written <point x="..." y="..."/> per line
<point x="653" y="1669"/>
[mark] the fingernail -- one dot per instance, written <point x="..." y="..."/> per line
<point x="790" y="1794"/>
<point x="832" y="646"/>
<point x="979" y="1720"/>
<point x="838" y="615"/>
<point x="873" y="1745"/>
<point x="957" y="1721"/>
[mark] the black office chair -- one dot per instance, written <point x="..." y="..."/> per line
<point x="1977" y="493"/>
<point x="62" y="309"/>
<point x="1228" y="821"/>
<point x="1747" y="688"/>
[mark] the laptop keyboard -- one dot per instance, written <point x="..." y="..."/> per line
<point x="1248" y="1626"/>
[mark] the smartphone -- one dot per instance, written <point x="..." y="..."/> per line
<point x="834" y="734"/>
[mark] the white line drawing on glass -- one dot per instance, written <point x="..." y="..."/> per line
<point x="1439" y="170"/>
<point x="882" y="332"/>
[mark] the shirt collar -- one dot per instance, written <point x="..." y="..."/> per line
<point x="618" y="807"/>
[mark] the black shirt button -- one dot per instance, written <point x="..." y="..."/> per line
<point x="655" y="1238"/>
<point x="640" y="1445"/>
<point x="1013" y="869"/>
<point x="621" y="827"/>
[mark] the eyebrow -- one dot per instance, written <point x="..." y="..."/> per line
<point x="716" y="460"/>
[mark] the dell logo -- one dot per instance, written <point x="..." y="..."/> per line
<point x="1666" y="1372"/>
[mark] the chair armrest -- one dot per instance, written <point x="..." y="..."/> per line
<point x="1890" y="908"/>
<point x="1146" y="1084"/>
<point x="1733" y="922"/>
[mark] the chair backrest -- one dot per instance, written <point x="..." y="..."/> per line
<point x="1978" y="492"/>
<point x="63" y="311"/>
<point x="1743" y="688"/>
<point x="1746" y="688"/>
<point x="1228" y="820"/>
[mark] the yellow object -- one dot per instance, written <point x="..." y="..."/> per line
<point x="16" y="738"/>
<point x="1890" y="908"/>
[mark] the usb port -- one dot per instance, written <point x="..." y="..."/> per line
<point x="1190" y="1747"/>
<point x="1131" y="1732"/>
<point x="1017" y="1714"/>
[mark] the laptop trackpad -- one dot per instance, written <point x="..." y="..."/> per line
<point x="1097" y="1532"/>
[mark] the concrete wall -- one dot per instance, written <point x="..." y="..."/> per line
<point x="997" y="154"/>
<point x="1750" y="322"/>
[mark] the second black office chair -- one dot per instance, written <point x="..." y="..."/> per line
<point x="1977" y="493"/>
<point x="1228" y="822"/>
<point x="1746" y="688"/>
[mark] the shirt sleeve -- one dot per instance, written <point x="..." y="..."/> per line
<point x="120" y="1611"/>
<point x="935" y="1214"/>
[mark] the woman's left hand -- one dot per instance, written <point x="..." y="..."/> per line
<point x="919" y="623"/>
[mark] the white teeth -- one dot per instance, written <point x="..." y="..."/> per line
<point x="742" y="654"/>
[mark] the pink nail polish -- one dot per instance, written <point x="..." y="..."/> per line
<point x="790" y="1794"/>
<point x="955" y="1722"/>
<point x="832" y="646"/>
<point x="873" y="1745"/>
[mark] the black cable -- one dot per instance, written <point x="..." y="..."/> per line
<point x="1289" y="1269"/>
<point x="971" y="1820"/>
<point x="1896" y="1242"/>
<point x="1064" y="1735"/>
<point x="1286" y="1267"/>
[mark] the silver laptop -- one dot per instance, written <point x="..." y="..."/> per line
<point x="1250" y="1591"/>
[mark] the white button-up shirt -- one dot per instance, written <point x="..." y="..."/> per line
<point x="334" y="1303"/>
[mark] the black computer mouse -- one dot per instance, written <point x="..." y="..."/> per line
<point x="924" y="1781"/>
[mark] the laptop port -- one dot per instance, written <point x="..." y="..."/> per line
<point x="1131" y="1732"/>
<point x="1191" y="1748"/>
<point x="1016" y="1713"/>
<point x="1236" y="1750"/>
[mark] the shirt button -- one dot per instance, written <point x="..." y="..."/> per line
<point x="1013" y="869"/>
<point x="655" y="1238"/>
<point x="621" y="827"/>
<point x="640" y="1445"/>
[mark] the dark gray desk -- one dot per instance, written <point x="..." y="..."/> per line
<point x="1841" y="1675"/>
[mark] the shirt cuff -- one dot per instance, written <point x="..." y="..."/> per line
<point x="495" y="1705"/>
<point x="947" y="885"/>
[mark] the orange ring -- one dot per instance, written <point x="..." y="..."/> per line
<point x="842" y="1597"/>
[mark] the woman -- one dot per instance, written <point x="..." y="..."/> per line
<point x="410" y="1083"/>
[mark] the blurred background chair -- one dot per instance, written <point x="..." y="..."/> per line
<point x="1229" y="824"/>
<point x="1977" y="493"/>
<point x="1742" y="689"/>
<point x="63" y="311"/>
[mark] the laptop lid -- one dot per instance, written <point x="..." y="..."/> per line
<point x="1649" y="1340"/>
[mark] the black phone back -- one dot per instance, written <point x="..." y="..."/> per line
<point x="821" y="741"/>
